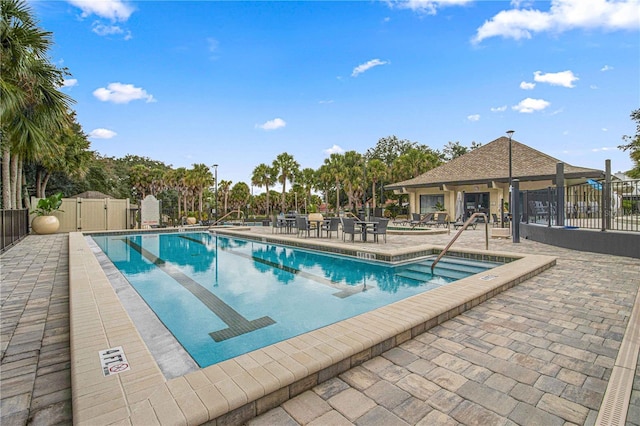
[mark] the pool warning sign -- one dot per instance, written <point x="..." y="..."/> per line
<point x="113" y="361"/>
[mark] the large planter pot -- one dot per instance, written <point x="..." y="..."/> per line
<point x="45" y="224"/>
<point x="191" y="220"/>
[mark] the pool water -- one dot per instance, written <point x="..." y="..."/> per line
<point x="222" y="296"/>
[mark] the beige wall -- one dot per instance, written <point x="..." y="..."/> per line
<point x="497" y="193"/>
<point x="83" y="214"/>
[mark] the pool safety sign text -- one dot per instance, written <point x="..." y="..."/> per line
<point x="113" y="361"/>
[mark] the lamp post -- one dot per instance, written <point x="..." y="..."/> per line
<point x="364" y="189"/>
<point x="510" y="134"/>
<point x="215" y="195"/>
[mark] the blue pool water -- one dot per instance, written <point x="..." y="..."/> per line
<point x="222" y="296"/>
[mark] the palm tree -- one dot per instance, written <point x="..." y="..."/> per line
<point x="31" y="106"/>
<point x="334" y="167"/>
<point x="413" y="163"/>
<point x="239" y="195"/>
<point x="202" y="179"/>
<point x="308" y="181"/>
<point x="376" y="170"/>
<point x="286" y="167"/>
<point x="223" y="188"/>
<point x="266" y="176"/>
<point x="353" y="177"/>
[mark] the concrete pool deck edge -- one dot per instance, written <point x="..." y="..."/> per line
<point x="243" y="387"/>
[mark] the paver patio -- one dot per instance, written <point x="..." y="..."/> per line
<point x="540" y="353"/>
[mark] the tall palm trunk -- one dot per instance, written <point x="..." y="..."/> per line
<point x="15" y="197"/>
<point x="6" y="178"/>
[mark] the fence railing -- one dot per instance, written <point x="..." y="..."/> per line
<point x="15" y="226"/>
<point x="593" y="205"/>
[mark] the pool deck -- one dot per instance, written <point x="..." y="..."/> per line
<point x="560" y="347"/>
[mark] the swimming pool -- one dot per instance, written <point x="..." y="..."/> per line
<point x="224" y="296"/>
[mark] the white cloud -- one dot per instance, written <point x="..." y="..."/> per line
<point x="604" y="129"/>
<point x="213" y="44"/>
<point x="426" y="6"/>
<point x="527" y="86"/>
<point x="69" y="82"/>
<point x="530" y="105"/>
<point x="605" y="148"/>
<point x="119" y="93"/>
<point x="115" y="10"/>
<point x="335" y="149"/>
<point x="593" y="86"/>
<point x="499" y="109"/>
<point x="102" y="134"/>
<point x="103" y="30"/>
<point x="367" y="66"/>
<point x="274" y="124"/>
<point x="563" y="15"/>
<point x="473" y="117"/>
<point x="563" y="78"/>
<point x="606" y="68"/>
<point x="329" y="101"/>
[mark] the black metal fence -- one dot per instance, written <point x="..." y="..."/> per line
<point x="15" y="226"/>
<point x="604" y="206"/>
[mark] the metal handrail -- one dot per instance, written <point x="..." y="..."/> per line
<point x="455" y="237"/>
<point x="228" y="214"/>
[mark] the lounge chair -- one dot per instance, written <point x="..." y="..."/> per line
<point x="349" y="227"/>
<point x="441" y="220"/>
<point x="496" y="221"/>
<point x="460" y="222"/>
<point x="426" y="220"/>
<point x="402" y="221"/>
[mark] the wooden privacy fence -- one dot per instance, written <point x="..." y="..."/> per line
<point x="87" y="214"/>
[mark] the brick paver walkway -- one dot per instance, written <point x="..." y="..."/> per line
<point x="540" y="353"/>
<point x="35" y="385"/>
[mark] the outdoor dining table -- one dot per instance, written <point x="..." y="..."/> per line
<point x="365" y="226"/>
<point x="290" y="224"/>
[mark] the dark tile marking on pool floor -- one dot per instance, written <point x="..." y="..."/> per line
<point x="345" y="290"/>
<point x="238" y="324"/>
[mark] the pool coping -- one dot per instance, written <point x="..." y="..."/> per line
<point x="238" y="389"/>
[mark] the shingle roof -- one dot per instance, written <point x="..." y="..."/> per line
<point x="490" y="162"/>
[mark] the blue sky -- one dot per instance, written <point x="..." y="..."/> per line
<point x="237" y="83"/>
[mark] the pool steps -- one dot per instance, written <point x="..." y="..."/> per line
<point x="449" y="267"/>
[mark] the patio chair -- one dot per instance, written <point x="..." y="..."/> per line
<point x="278" y="224"/>
<point x="380" y="228"/>
<point x="331" y="226"/>
<point x="349" y="227"/>
<point x="303" y="225"/>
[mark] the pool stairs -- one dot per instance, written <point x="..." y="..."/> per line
<point x="451" y="268"/>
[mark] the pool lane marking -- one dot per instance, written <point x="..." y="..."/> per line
<point x="237" y="324"/>
<point x="345" y="290"/>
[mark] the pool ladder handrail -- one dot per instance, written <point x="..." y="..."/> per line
<point x="455" y="237"/>
<point x="240" y="213"/>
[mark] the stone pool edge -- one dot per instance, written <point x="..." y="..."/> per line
<point x="238" y="389"/>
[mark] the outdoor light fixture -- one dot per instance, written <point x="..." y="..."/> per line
<point x="510" y="133"/>
<point x="215" y="167"/>
<point x="514" y="221"/>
